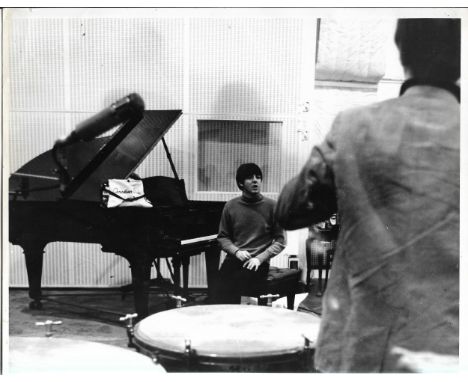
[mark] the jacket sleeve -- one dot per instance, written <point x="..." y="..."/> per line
<point x="310" y="197"/>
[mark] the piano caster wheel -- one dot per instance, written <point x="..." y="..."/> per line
<point x="35" y="305"/>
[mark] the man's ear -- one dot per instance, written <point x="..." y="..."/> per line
<point x="240" y="185"/>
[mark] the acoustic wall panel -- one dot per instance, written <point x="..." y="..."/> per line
<point x="328" y="102"/>
<point x="92" y="267"/>
<point x="197" y="272"/>
<point x="32" y="133"/>
<point x="291" y="147"/>
<point x="251" y="68"/>
<point x="17" y="267"/>
<point x="244" y="66"/>
<point x="35" y="50"/>
<point x="111" y="57"/>
<point x="57" y="267"/>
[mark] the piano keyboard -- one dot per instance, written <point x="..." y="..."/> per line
<point x="198" y="239"/>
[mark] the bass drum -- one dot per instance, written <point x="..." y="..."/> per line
<point x="227" y="338"/>
<point x="34" y="355"/>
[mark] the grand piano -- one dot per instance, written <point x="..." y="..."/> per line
<point x="56" y="197"/>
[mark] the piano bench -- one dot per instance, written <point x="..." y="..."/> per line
<point x="281" y="281"/>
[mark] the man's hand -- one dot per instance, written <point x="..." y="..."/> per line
<point x="243" y="255"/>
<point x="252" y="264"/>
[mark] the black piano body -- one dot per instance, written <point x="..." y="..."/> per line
<point x="175" y="227"/>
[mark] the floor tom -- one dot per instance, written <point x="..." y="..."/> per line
<point x="229" y="338"/>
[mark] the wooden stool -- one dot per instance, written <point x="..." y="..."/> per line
<point x="281" y="282"/>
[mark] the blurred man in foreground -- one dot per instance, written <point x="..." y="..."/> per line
<point x="391" y="170"/>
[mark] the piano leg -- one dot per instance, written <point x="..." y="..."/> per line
<point x="212" y="256"/>
<point x="176" y="265"/>
<point x="34" y="256"/>
<point x="141" y="271"/>
<point x="185" y="274"/>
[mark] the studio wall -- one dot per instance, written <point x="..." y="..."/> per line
<point x="244" y="70"/>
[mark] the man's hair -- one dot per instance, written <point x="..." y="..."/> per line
<point x="430" y="48"/>
<point x="246" y="170"/>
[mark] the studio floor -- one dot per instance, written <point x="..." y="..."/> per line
<point x="92" y="315"/>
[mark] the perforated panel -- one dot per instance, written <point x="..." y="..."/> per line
<point x="328" y="102"/>
<point x="92" y="267"/>
<point x="245" y="66"/>
<point x="17" y="267"/>
<point x="111" y="57"/>
<point x="36" y="62"/>
<point x="66" y="69"/>
<point x="33" y="133"/>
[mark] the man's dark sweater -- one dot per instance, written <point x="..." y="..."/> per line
<point x="249" y="224"/>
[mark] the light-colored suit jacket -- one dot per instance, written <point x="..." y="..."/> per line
<point x="392" y="171"/>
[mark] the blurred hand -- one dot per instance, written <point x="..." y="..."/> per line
<point x="424" y="361"/>
<point x="243" y="255"/>
<point x="252" y="264"/>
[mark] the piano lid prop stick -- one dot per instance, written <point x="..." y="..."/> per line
<point x="36" y="176"/>
<point x="169" y="157"/>
<point x="25" y="188"/>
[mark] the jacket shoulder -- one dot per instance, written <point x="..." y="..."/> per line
<point x="350" y="123"/>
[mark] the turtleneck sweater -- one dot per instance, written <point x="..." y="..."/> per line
<point x="249" y="224"/>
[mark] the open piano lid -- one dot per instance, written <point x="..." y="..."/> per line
<point x="119" y="163"/>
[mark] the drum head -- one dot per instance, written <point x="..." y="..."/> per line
<point x="228" y="331"/>
<point x="55" y="355"/>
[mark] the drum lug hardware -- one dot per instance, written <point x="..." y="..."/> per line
<point x="308" y="354"/>
<point x="179" y="300"/>
<point x="154" y="357"/>
<point x="128" y="318"/>
<point x="48" y="326"/>
<point x="189" y="354"/>
<point x="269" y="297"/>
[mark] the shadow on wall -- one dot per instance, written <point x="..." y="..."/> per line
<point x="242" y="98"/>
<point x="129" y="66"/>
<point x="239" y="102"/>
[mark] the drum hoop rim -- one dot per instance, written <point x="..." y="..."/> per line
<point x="158" y="352"/>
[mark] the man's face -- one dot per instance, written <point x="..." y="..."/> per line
<point x="252" y="185"/>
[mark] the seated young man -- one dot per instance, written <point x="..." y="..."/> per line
<point x="250" y="236"/>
